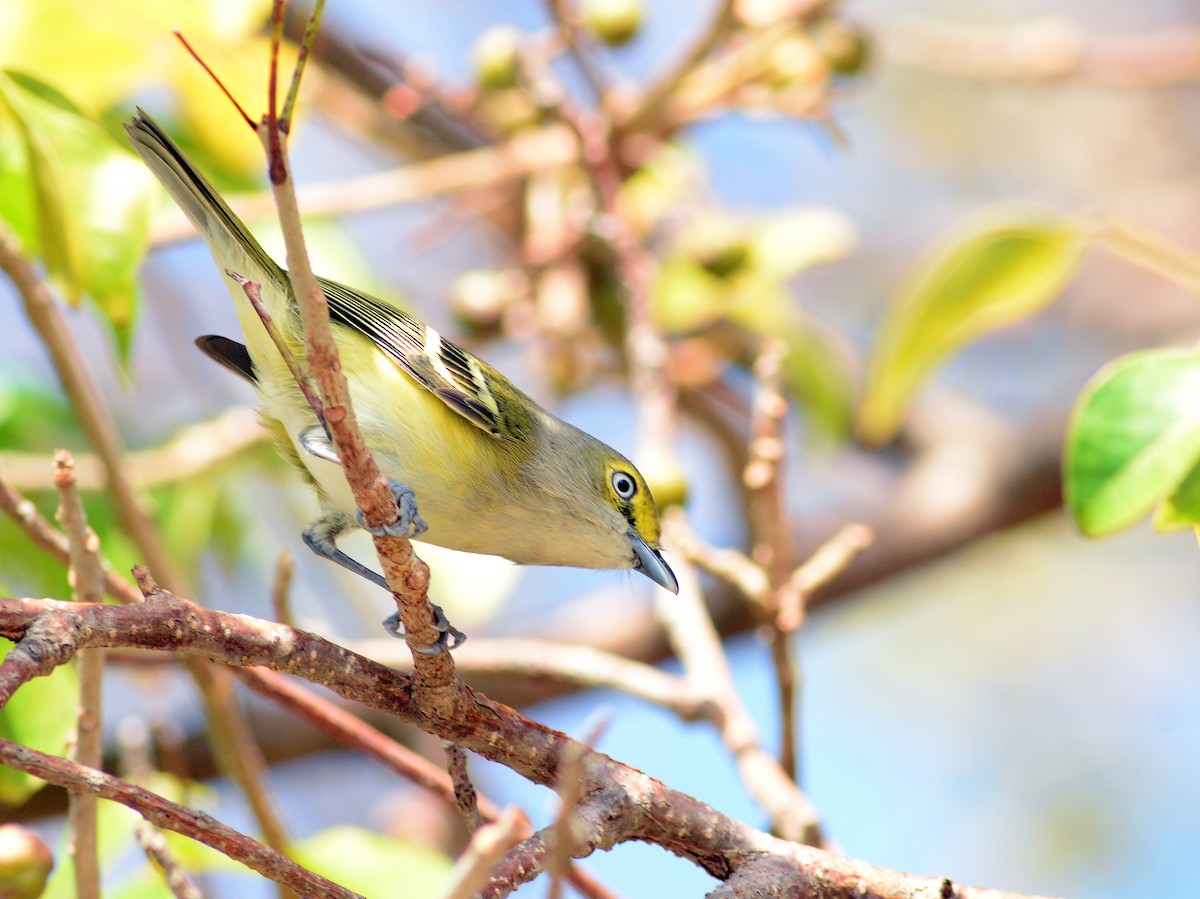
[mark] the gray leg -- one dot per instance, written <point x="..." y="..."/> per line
<point x="321" y="535"/>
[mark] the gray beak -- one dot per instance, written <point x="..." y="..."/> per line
<point x="650" y="563"/>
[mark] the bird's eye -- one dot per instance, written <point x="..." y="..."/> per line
<point x="624" y="484"/>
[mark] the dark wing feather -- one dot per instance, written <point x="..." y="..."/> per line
<point x="231" y="354"/>
<point x="448" y="371"/>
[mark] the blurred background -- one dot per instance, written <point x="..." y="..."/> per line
<point x="986" y="694"/>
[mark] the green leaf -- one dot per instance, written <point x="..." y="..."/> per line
<point x="56" y="240"/>
<point x="374" y="865"/>
<point x="40" y="715"/>
<point x="1182" y="508"/>
<point x="1134" y="439"/>
<point x="999" y="268"/>
<point x="91" y="200"/>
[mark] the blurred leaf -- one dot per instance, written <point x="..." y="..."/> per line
<point x="91" y="198"/>
<point x="657" y="188"/>
<point x="786" y="243"/>
<point x="41" y="715"/>
<point x="1182" y="508"/>
<point x="685" y="297"/>
<point x="1133" y="440"/>
<point x="34" y="418"/>
<point x="52" y="236"/>
<point x="1000" y="267"/>
<point x="107" y="49"/>
<point x="373" y="864"/>
<point x="816" y="374"/>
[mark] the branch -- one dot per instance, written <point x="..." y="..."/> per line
<point x="191" y="452"/>
<point x="407" y="575"/>
<point x="621" y="803"/>
<point x="168" y="815"/>
<point x="1046" y="49"/>
<point x="87" y="578"/>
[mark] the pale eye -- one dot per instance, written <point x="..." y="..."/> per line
<point x="624" y="484"/>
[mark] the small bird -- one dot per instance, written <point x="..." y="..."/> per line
<point x="495" y="472"/>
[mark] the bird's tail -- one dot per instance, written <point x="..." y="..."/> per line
<point x="232" y="245"/>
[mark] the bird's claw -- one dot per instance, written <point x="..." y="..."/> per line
<point x="449" y="637"/>
<point x="408" y="522"/>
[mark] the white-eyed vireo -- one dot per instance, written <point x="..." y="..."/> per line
<point x="494" y="471"/>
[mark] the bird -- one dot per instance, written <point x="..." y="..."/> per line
<point x="474" y="462"/>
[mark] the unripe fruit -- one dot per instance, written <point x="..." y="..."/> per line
<point x="615" y="22"/>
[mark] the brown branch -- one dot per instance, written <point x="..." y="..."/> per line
<point x="583" y="667"/>
<point x="1047" y="49"/>
<point x="406" y="574"/>
<point x="281" y="586"/>
<point x="168" y="815"/>
<point x="622" y="803"/>
<point x="471" y="170"/>
<point x="192" y="451"/>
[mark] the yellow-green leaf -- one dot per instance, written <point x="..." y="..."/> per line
<point x="374" y="864"/>
<point x="1000" y="267"/>
<point x="90" y="198"/>
<point x="41" y="714"/>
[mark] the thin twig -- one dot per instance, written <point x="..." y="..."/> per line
<point x="213" y="75"/>
<point x="306" y="45"/>
<point x="281" y="586"/>
<point x="155" y="846"/>
<point x="169" y="815"/>
<point x="829" y="560"/>
<point x="581" y="666"/>
<point x="653" y="99"/>
<point x="706" y="667"/>
<point x="770" y="531"/>
<point x="466" y="799"/>
<point x="87" y="578"/>
<point x="253" y="291"/>
<point x="567" y="21"/>
<point x="570" y="790"/>
<point x="488" y="845"/>
<point x="44" y="535"/>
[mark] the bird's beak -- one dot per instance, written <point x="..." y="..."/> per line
<point x="650" y="563"/>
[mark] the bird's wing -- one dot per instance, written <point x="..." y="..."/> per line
<point x="449" y="372"/>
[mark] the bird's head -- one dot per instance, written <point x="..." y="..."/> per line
<point x="625" y="491"/>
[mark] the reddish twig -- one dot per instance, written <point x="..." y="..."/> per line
<point x="169" y="815"/>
